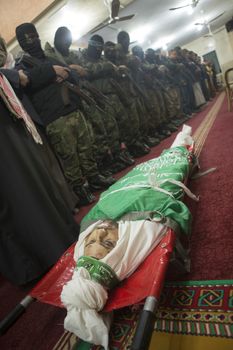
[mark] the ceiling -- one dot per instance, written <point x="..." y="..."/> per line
<point x="153" y="25"/>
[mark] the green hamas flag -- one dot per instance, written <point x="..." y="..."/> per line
<point x="152" y="189"/>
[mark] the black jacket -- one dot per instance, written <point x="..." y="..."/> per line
<point x="50" y="99"/>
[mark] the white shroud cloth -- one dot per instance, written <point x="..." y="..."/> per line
<point x="83" y="297"/>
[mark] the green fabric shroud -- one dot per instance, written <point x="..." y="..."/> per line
<point x="139" y="191"/>
<point x="99" y="271"/>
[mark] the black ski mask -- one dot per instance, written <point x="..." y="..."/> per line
<point x="124" y="40"/>
<point x="63" y="40"/>
<point x="150" y="56"/>
<point x="110" y="51"/>
<point x="29" y="40"/>
<point x="138" y="51"/>
<point x="95" y="46"/>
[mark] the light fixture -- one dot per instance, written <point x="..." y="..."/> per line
<point x="75" y="22"/>
<point x="190" y="11"/>
<point x="163" y="42"/>
<point x="140" y="33"/>
<point x="199" y="28"/>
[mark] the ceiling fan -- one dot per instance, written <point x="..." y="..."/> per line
<point x="113" y="7"/>
<point x="193" y="4"/>
<point x="207" y="25"/>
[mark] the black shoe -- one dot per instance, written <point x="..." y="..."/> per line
<point x="171" y="127"/>
<point x="125" y="158"/>
<point x="84" y="194"/>
<point x="151" y="141"/>
<point x="138" y="149"/>
<point x="118" y="166"/>
<point x="106" y="172"/>
<point x="100" y="182"/>
<point x="160" y="136"/>
<point x="75" y="211"/>
<point x="178" y="122"/>
<point x="165" y="132"/>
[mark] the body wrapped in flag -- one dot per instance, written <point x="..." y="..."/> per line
<point x="139" y="207"/>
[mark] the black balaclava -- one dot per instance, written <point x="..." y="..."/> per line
<point x="95" y="46"/>
<point x="109" y="51"/>
<point x="63" y="40"/>
<point x="150" y="55"/>
<point x="29" y="40"/>
<point x="138" y="51"/>
<point x="178" y="51"/>
<point x="124" y="40"/>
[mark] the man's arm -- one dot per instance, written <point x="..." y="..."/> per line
<point x="42" y="75"/>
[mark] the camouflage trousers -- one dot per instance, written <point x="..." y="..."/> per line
<point x="163" y="114"/>
<point x="71" y="141"/>
<point x="126" y="118"/>
<point x="97" y="130"/>
<point x="111" y="126"/>
<point x="154" y="119"/>
<point x="144" y="109"/>
<point x="173" y="102"/>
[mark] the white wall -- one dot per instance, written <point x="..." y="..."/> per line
<point x="221" y="42"/>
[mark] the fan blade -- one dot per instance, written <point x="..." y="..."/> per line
<point x="100" y="26"/>
<point x="125" y="18"/>
<point x="180" y="7"/>
<point x="213" y="19"/>
<point x="115" y="7"/>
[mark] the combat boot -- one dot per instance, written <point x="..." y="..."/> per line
<point x="84" y="194"/>
<point x="99" y="182"/>
<point x="172" y="127"/>
<point x="124" y="157"/>
<point x="151" y="141"/>
<point x="138" y="149"/>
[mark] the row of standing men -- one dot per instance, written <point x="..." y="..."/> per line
<point x="100" y="112"/>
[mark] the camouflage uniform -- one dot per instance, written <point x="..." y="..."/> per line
<point x="102" y="75"/>
<point x="131" y="83"/>
<point x="94" y="118"/>
<point x="171" y="93"/>
<point x="74" y="147"/>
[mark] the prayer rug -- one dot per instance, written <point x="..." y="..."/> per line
<point x="192" y="308"/>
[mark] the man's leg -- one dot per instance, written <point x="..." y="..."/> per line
<point x="64" y="143"/>
<point x="85" y="151"/>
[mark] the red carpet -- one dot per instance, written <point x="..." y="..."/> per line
<point x="212" y="230"/>
<point x="211" y="243"/>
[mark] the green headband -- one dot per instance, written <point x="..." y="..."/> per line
<point x="99" y="271"/>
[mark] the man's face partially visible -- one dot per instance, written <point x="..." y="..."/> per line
<point x="173" y="55"/>
<point x="30" y="38"/>
<point x="101" y="241"/>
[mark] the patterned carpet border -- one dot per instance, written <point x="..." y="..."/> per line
<point x="197" y="308"/>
